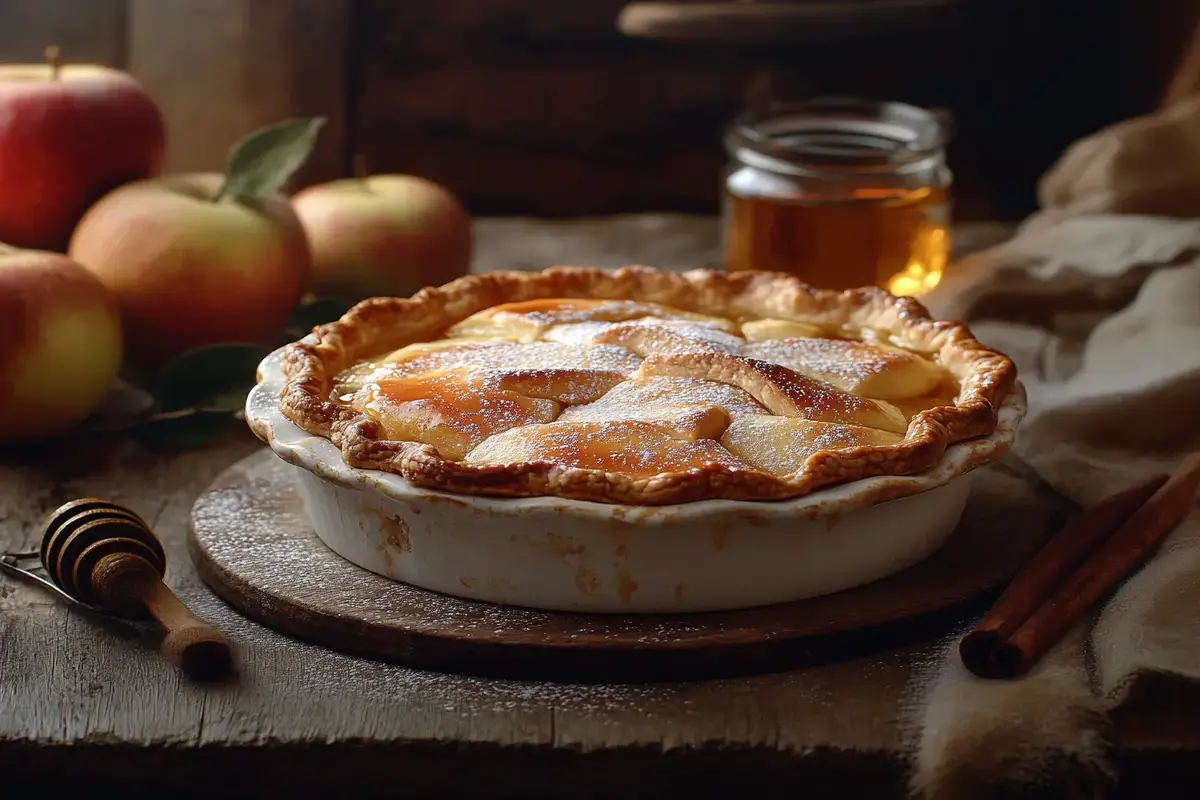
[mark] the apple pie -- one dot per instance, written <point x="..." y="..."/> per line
<point x="639" y="386"/>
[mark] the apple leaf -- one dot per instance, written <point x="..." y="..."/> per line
<point x="216" y="377"/>
<point x="264" y="161"/>
<point x="199" y="393"/>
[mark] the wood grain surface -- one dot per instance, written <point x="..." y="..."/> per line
<point x="67" y="680"/>
<point x="90" y="705"/>
<point x="254" y="545"/>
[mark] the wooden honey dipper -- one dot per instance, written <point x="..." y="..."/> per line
<point x="105" y="557"/>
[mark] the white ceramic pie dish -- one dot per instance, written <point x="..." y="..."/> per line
<point x="569" y="555"/>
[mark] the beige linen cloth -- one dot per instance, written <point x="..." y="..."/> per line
<point x="1097" y="298"/>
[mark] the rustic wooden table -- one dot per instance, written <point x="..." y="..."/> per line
<point x="89" y="705"/>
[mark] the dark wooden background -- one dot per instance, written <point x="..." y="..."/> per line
<point x="543" y="107"/>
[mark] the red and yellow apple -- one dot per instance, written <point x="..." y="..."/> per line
<point x="60" y="343"/>
<point x="67" y="136"/>
<point x="188" y="270"/>
<point x="383" y="235"/>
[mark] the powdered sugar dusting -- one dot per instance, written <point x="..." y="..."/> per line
<point x="531" y="318"/>
<point x="664" y="398"/>
<point x="498" y="356"/>
<point x="568" y="386"/>
<point x="550" y="312"/>
<point x="567" y="366"/>
<point x="781" y="445"/>
<point x="854" y="366"/>
<point x="625" y="447"/>
<point x="577" y="334"/>
<point x="449" y="410"/>
<point x="680" y="335"/>
<point x="668" y="337"/>
<point x="839" y="361"/>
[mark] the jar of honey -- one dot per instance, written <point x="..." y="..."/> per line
<point x="840" y="192"/>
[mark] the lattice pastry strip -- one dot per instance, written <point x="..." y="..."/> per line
<point x="870" y="370"/>
<point x="761" y="330"/>
<point x="692" y="407"/>
<point x="509" y="356"/>
<point x="782" y="445"/>
<point x="650" y="336"/>
<point x="451" y="410"/>
<point x="630" y="447"/>
<point x="782" y="391"/>
<point x="527" y="321"/>
<point x="453" y="397"/>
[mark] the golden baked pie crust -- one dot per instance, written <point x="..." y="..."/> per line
<point x="381" y="325"/>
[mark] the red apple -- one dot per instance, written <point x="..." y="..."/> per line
<point x="68" y="135"/>
<point x="383" y="235"/>
<point x="60" y="343"/>
<point x="189" y="271"/>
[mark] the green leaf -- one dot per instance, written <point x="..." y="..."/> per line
<point x="217" y="378"/>
<point x="184" y="432"/>
<point x="264" y="161"/>
<point x="199" y="394"/>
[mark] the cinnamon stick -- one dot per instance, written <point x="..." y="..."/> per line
<point x="981" y="649"/>
<point x="1079" y="566"/>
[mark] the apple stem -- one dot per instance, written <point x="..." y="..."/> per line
<point x="54" y="59"/>
<point x="360" y="165"/>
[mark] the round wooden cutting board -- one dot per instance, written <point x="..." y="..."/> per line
<point x="253" y="544"/>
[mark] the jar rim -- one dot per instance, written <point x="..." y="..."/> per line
<point x="838" y="135"/>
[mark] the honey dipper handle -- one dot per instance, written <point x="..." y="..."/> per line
<point x="123" y="580"/>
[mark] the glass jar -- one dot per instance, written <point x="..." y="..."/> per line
<point x="840" y="192"/>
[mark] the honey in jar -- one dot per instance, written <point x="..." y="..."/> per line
<point x="842" y="193"/>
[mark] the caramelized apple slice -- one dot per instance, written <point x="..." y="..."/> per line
<point x="637" y="449"/>
<point x="567" y="386"/>
<point x="449" y="410"/>
<point x="780" y="390"/>
<point x="509" y="356"/>
<point x="650" y="337"/>
<point x="528" y="320"/>
<point x="683" y="422"/>
<point x="762" y="330"/>
<point x="576" y="334"/>
<point x="693" y="407"/>
<point x="781" y="445"/>
<point x="428" y="350"/>
<point x="880" y="371"/>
